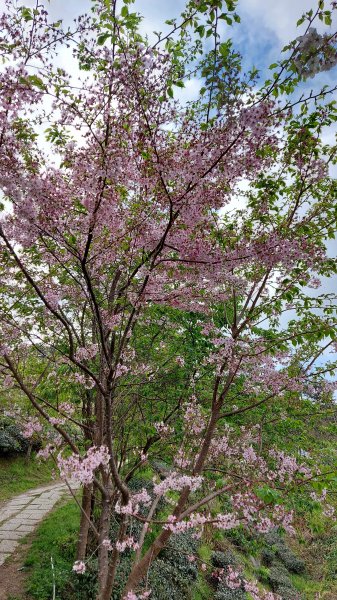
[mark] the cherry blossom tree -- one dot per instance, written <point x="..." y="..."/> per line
<point x="157" y="263"/>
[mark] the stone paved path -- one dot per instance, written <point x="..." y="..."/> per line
<point x="23" y="513"/>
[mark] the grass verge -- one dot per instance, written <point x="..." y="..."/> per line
<point x="51" y="555"/>
<point x="19" y="474"/>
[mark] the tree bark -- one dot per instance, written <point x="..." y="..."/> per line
<point x="85" y="522"/>
<point x="103" y="553"/>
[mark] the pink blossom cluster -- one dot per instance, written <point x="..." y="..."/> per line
<point x="84" y="380"/>
<point x="195" y="521"/>
<point x="128" y="542"/>
<point x="142" y="497"/>
<point x="226" y="521"/>
<point x="132" y="507"/>
<point x="193" y="418"/>
<point x="252" y="588"/>
<point x="82" y="469"/>
<point x="53" y="298"/>
<point x="31" y="427"/>
<point x="177" y="482"/>
<point x="288" y="467"/>
<point x="233" y="580"/>
<point x="126" y="509"/>
<point x="8" y="382"/>
<point x="87" y="352"/>
<point x="107" y="544"/>
<point x="182" y="460"/>
<point x="79" y="567"/>
<point x="121" y="370"/>
<point x="132" y="596"/>
<point x="111" y="321"/>
<point x="56" y="420"/>
<point x="162" y="429"/>
<point x="45" y="452"/>
<point x="67" y="407"/>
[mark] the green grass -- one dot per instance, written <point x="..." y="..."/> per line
<point x="19" y="474"/>
<point x="55" y="539"/>
<point x="202" y="590"/>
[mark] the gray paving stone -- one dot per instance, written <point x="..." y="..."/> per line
<point x="26" y="528"/>
<point x="11" y="525"/>
<point x="8" y="546"/>
<point x="10" y="535"/>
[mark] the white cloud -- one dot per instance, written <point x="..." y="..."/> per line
<point x="278" y="17"/>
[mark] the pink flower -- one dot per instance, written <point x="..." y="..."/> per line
<point x="128" y="542"/>
<point x="233" y="580"/>
<point x="79" y="567"/>
<point x="82" y="469"/>
<point x="33" y="426"/>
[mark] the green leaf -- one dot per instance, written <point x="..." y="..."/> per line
<point x="102" y="38"/>
<point x="37" y="81"/>
<point x="268" y="495"/>
<point x="27" y="13"/>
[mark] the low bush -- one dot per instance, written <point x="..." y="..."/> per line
<point x="225" y="593"/>
<point x="268" y="556"/>
<point x="279" y="549"/>
<point x="222" y="560"/>
<point x="278" y="576"/>
<point x="290" y="560"/>
<point x="11" y="439"/>
<point x="287" y="593"/>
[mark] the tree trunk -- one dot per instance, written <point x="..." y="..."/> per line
<point x="84" y="524"/>
<point x="103" y="553"/>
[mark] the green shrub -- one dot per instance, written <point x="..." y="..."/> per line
<point x="167" y="582"/>
<point x="332" y="560"/>
<point x="278" y="577"/>
<point x="11" y="439"/>
<point x="246" y="541"/>
<point x="287" y="593"/>
<point x="225" y="593"/>
<point x="122" y="573"/>
<point x="222" y="560"/>
<point x="290" y="560"/>
<point x="177" y="551"/>
<point x="268" y="556"/>
<point x="273" y="538"/>
<point x="278" y="548"/>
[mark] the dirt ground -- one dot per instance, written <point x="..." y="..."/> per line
<point x="13" y="575"/>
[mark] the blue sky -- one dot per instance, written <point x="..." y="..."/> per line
<point x="266" y="25"/>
